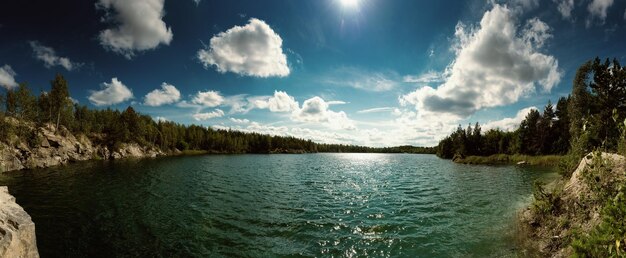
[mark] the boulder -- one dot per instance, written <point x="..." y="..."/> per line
<point x="17" y="230"/>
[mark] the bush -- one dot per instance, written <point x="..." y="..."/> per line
<point x="608" y="239"/>
<point x="545" y="202"/>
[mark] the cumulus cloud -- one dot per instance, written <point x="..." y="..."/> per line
<point x="316" y="110"/>
<point x="7" y="77"/>
<point x="139" y="26"/>
<point x="111" y="93"/>
<point x="282" y="102"/>
<point x="252" y="50"/>
<point x="509" y="123"/>
<point x="243" y="103"/>
<point x="208" y="115"/>
<point x="598" y="9"/>
<point x="496" y="64"/>
<point x="208" y="98"/>
<point x="565" y="8"/>
<point x="50" y="58"/>
<point x="168" y="94"/>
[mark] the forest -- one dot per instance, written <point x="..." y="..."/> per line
<point x="111" y="127"/>
<point x="591" y="117"/>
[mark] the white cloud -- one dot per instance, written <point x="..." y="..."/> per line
<point x="50" y="58"/>
<point x="111" y="93"/>
<point x="565" y="7"/>
<point x="243" y="103"/>
<point x="536" y="32"/>
<point x="282" y="102"/>
<point x="509" y="123"/>
<point x="336" y="102"/>
<point x="598" y="9"/>
<point x="404" y="130"/>
<point x="252" y="50"/>
<point x="7" y="77"/>
<point x="239" y="121"/>
<point x="160" y="119"/>
<point x="495" y="65"/>
<point x="208" y="98"/>
<point x="168" y="94"/>
<point x="376" y="110"/>
<point x="197" y="2"/>
<point x="315" y="110"/>
<point x="208" y="115"/>
<point x="140" y="26"/>
<point x="428" y="77"/>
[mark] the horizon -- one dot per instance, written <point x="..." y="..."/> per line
<point x="359" y="72"/>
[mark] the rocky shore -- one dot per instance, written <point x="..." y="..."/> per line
<point x="17" y="230"/>
<point x="566" y="214"/>
<point x="50" y="147"/>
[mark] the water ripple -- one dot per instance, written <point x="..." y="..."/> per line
<point x="336" y="205"/>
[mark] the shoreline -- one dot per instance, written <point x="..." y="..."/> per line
<point x="146" y="152"/>
<point x="515" y="159"/>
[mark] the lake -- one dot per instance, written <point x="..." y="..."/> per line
<point x="342" y="205"/>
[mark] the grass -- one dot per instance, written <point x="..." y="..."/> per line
<point x="193" y="152"/>
<point x="505" y="159"/>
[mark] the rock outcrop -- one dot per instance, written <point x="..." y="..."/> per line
<point x="17" y="230"/>
<point x="52" y="147"/>
<point x="550" y="225"/>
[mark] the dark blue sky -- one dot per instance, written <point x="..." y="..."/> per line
<point x="368" y="72"/>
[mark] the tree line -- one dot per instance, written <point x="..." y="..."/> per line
<point x="591" y="117"/>
<point x="111" y="128"/>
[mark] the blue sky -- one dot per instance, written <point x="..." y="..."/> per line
<point x="368" y="72"/>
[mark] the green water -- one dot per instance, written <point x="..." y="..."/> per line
<point x="342" y="205"/>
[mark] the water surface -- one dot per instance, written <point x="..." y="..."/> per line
<point x="381" y="205"/>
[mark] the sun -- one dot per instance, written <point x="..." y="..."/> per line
<point x="349" y="3"/>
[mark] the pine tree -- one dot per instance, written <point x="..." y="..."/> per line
<point x="59" y="99"/>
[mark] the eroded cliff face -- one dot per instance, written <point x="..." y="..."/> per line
<point x="55" y="147"/>
<point x="17" y="230"/>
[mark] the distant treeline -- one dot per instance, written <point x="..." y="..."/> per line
<point x="113" y="127"/>
<point x="362" y="149"/>
<point x="591" y="117"/>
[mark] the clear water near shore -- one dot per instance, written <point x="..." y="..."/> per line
<point x="382" y="205"/>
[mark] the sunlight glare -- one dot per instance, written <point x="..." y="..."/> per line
<point x="349" y="3"/>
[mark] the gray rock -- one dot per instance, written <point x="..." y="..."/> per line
<point x="17" y="230"/>
<point x="58" y="147"/>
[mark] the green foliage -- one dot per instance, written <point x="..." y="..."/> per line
<point x="598" y="177"/>
<point x="60" y="103"/>
<point x="538" y="134"/>
<point x="578" y="149"/>
<point x="509" y="159"/>
<point x="608" y="239"/>
<point x="545" y="202"/>
<point x="593" y="116"/>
